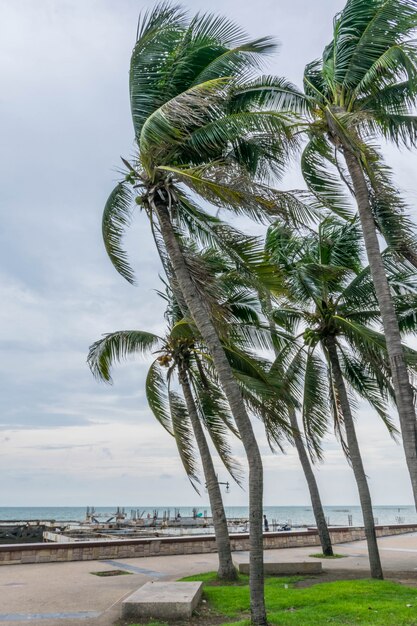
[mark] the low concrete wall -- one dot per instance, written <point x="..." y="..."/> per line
<point x="129" y="548"/>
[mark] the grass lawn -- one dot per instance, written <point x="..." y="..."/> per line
<point x="320" y="555"/>
<point x="349" y="603"/>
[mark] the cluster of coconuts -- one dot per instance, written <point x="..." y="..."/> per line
<point x="164" y="360"/>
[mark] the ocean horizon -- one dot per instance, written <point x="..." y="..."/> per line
<point x="338" y="515"/>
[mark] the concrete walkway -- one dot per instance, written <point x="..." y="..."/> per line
<point x="67" y="594"/>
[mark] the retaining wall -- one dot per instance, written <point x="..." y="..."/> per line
<point x="128" y="548"/>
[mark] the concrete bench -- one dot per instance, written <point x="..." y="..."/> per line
<point x="163" y="600"/>
<point x="285" y="569"/>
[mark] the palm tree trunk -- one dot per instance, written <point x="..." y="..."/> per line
<point x="356" y="459"/>
<point x="401" y="382"/>
<point x="323" y="531"/>
<point x="226" y="570"/>
<point x="204" y="323"/>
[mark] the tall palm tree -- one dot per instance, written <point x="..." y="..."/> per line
<point x="364" y="88"/>
<point x="181" y="360"/>
<point x="333" y="307"/>
<point x="193" y="135"/>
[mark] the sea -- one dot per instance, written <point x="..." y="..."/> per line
<point x="342" y="515"/>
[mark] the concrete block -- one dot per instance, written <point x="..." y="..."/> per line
<point x="285" y="569"/>
<point x="163" y="600"/>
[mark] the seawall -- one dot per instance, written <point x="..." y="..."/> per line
<point x="14" y="554"/>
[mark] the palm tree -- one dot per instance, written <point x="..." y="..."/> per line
<point x="181" y="359"/>
<point x="333" y="307"/>
<point x="184" y="357"/>
<point x="297" y="439"/>
<point x="362" y="89"/>
<point x="193" y="132"/>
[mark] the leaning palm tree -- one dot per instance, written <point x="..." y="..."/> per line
<point x="194" y="138"/>
<point x="332" y="308"/>
<point x="364" y="88"/>
<point x="313" y="488"/>
<point x="181" y="360"/>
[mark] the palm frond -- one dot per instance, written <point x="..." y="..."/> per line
<point x="247" y="137"/>
<point x="240" y="60"/>
<point x="228" y="186"/>
<point x="217" y="419"/>
<point x="398" y="98"/>
<point x="318" y="165"/>
<point x="157" y="396"/>
<point x="400" y="129"/>
<point x="367" y="387"/>
<point x="359" y="293"/>
<point x="406" y="310"/>
<point x="315" y="408"/>
<point x="362" y="337"/>
<point x="394" y="63"/>
<point x="116" y="347"/>
<point x="117" y="217"/>
<point x="288" y="318"/>
<point x="168" y="127"/>
<point x="389" y="208"/>
<point x="314" y="83"/>
<point x="281" y="246"/>
<point x="266" y="403"/>
<point x="184" y="437"/>
<point x="160" y="32"/>
<point x="209" y="28"/>
<point x="247" y="364"/>
<point x="363" y="32"/>
<point x="341" y="243"/>
<point x="183" y="330"/>
<point x="270" y="92"/>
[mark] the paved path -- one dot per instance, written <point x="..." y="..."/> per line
<point x="67" y="594"/>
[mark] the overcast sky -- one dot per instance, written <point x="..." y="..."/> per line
<point x="64" y="121"/>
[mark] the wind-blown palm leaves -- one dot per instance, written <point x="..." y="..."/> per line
<point x="192" y="131"/>
<point x="364" y="88"/>
<point x="177" y="349"/>
<point x="329" y="292"/>
<point x="338" y="352"/>
<point x="234" y="304"/>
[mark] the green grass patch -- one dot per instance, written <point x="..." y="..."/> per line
<point x="320" y="555"/>
<point x="342" y="603"/>
<point x="211" y="579"/>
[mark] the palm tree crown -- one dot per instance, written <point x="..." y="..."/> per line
<point x="364" y="88"/>
<point x="198" y="127"/>
<point x="330" y="294"/>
